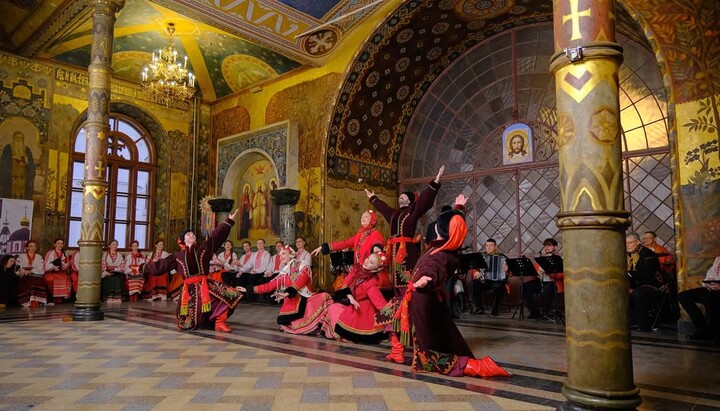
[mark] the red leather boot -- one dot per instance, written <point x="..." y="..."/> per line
<point x="220" y="323"/>
<point x="397" y="350"/>
<point x="484" y="367"/>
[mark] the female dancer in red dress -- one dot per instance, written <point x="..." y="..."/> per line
<point x="302" y="310"/>
<point x="356" y="322"/>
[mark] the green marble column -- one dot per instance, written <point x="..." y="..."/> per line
<point x="592" y="216"/>
<point x="87" y="306"/>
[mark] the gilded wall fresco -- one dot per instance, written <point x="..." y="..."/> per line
<point x="48" y="104"/>
<point x="226" y="123"/>
<point x="309" y="104"/>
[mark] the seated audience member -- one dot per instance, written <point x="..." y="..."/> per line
<point x="112" y="283"/>
<point x="56" y="272"/>
<point x="135" y="279"/>
<point x="645" y="280"/>
<point x="255" y="269"/>
<point x="226" y="263"/>
<point x="355" y="321"/>
<point x="242" y="277"/>
<point x="156" y="286"/>
<point x="303" y="309"/>
<point x="8" y="281"/>
<point x="275" y="265"/>
<point x="706" y="327"/>
<point x="301" y="253"/>
<point x="31" y="286"/>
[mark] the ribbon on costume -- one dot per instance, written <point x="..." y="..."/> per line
<point x="401" y="320"/>
<point x="204" y="294"/>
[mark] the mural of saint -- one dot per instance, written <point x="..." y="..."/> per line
<point x="245" y="212"/>
<point x="18" y="160"/>
<point x="259" y="211"/>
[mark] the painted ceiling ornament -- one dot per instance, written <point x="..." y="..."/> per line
<point x="482" y="9"/>
<point x="320" y="42"/>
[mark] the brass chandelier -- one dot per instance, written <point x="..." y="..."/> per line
<point x="165" y="79"/>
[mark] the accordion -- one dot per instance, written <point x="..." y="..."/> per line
<point x="494" y="270"/>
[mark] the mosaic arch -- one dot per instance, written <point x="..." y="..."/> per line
<point x="395" y="69"/>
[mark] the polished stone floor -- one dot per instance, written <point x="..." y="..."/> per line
<point x="136" y="360"/>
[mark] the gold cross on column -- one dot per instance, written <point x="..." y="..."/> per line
<point x="575" y="17"/>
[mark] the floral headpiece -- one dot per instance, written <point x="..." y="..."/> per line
<point x="289" y="249"/>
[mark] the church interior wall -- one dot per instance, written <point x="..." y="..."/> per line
<point x="50" y="100"/>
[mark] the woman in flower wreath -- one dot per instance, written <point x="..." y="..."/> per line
<point x="355" y="321"/>
<point x="201" y="299"/>
<point x="303" y="309"/>
<point x="423" y="317"/>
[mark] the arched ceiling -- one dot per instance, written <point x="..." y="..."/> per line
<point x="396" y="68"/>
<point x="231" y="44"/>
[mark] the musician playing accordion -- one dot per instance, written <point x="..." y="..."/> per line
<point x="493" y="278"/>
<point x="645" y="281"/>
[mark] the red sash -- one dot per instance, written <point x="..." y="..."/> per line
<point x="204" y="294"/>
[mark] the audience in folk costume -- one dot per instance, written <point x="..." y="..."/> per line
<point x="32" y="291"/>
<point x="361" y="242"/>
<point x="423" y="318"/>
<point x="237" y="279"/>
<point x="706" y="327"/>
<point x="275" y="265"/>
<point x="112" y="282"/>
<point x="301" y="253"/>
<point x="255" y="268"/>
<point x="135" y="279"/>
<point x="56" y="272"/>
<point x="303" y="309"/>
<point x="355" y="321"/>
<point x="224" y="264"/>
<point x="8" y="281"/>
<point x="156" y="286"/>
<point x="202" y="300"/>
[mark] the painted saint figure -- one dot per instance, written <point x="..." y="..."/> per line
<point x="18" y="159"/>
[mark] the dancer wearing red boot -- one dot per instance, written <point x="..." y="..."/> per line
<point x="201" y="299"/>
<point x="423" y="318"/>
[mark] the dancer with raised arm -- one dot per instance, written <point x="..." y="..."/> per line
<point x="201" y="300"/>
<point x="423" y="318"/>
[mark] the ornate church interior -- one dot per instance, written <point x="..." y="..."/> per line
<point x="126" y="123"/>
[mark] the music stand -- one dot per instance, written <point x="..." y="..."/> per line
<point x="521" y="267"/>
<point x="472" y="261"/>
<point x="553" y="264"/>
<point x="341" y="261"/>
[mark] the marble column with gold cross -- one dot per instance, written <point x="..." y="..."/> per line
<point x="87" y="305"/>
<point x="592" y="216"/>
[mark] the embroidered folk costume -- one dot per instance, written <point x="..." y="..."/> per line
<point x="202" y="299"/>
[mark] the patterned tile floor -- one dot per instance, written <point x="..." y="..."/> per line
<point x="136" y="360"/>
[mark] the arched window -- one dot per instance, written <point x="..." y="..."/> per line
<point x="130" y="175"/>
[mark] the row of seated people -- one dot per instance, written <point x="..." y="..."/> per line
<point x="29" y="280"/>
